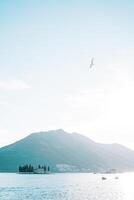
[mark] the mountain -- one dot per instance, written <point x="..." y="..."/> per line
<point x="65" y="152"/>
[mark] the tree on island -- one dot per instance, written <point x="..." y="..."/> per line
<point x="30" y="169"/>
<point x="45" y="168"/>
<point x="26" y="168"/>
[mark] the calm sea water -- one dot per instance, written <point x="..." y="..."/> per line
<point x="66" y="187"/>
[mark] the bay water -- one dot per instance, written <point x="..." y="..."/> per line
<point x="66" y="186"/>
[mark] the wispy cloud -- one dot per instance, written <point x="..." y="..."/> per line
<point x="105" y="111"/>
<point x="14" y="85"/>
<point x="4" y="134"/>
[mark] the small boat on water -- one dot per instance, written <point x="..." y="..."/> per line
<point x="116" y="177"/>
<point x="103" y="178"/>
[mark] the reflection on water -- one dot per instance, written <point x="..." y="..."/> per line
<point x="66" y="187"/>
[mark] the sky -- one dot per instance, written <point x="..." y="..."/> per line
<point x="45" y="80"/>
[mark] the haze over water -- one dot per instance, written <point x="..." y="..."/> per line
<point x="66" y="187"/>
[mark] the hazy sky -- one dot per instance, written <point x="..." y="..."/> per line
<point x="45" y="81"/>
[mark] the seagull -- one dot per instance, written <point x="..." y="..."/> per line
<point x="91" y="63"/>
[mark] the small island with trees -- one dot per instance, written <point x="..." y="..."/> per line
<point x="29" y="169"/>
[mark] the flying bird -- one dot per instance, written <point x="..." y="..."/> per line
<point x="91" y="63"/>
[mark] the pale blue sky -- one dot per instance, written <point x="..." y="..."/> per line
<point x="45" y="82"/>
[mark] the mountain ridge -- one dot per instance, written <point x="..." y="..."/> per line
<point x="64" y="152"/>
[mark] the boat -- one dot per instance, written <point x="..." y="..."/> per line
<point x="103" y="178"/>
<point x="116" y="177"/>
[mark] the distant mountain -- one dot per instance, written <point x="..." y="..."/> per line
<point x="65" y="152"/>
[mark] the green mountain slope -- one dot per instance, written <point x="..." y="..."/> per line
<point x="65" y="152"/>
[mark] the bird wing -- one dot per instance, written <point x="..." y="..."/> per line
<point x="92" y="62"/>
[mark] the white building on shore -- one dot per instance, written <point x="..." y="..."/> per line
<point x="39" y="171"/>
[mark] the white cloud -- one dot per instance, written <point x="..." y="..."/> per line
<point x="4" y="135"/>
<point x="14" y="85"/>
<point x="105" y="112"/>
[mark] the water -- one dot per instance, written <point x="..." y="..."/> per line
<point x="66" y="187"/>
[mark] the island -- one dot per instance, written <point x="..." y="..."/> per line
<point x="29" y="169"/>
